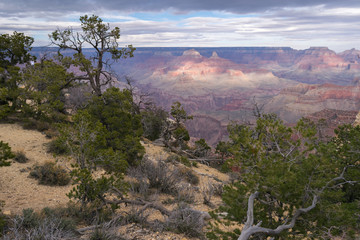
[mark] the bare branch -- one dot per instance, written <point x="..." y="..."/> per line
<point x="250" y="211"/>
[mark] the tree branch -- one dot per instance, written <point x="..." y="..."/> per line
<point x="249" y="229"/>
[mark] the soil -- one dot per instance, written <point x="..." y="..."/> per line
<point x="19" y="192"/>
<point x="16" y="188"/>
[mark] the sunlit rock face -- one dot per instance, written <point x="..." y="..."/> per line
<point x="357" y="120"/>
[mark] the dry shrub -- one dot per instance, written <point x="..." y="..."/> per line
<point x="157" y="175"/>
<point x="20" y="157"/>
<point x="185" y="194"/>
<point x="208" y="191"/>
<point x="186" y="220"/>
<point x="136" y="215"/>
<point x="218" y="189"/>
<point x="31" y="225"/>
<point x="50" y="174"/>
<point x="189" y="175"/>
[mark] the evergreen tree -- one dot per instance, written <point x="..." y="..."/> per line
<point x="291" y="185"/>
<point x="95" y="69"/>
<point x="14" y="49"/>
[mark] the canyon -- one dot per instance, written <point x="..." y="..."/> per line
<point x="221" y="85"/>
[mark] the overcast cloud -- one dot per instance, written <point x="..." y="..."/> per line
<point x="294" y="23"/>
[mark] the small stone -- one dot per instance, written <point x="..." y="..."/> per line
<point x="7" y="212"/>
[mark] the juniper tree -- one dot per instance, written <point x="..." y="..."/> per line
<point x="14" y="49"/>
<point x="291" y="185"/>
<point x="95" y="69"/>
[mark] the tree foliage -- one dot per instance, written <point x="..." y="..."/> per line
<point x="86" y="141"/>
<point x="202" y="149"/>
<point x="178" y="113"/>
<point x="122" y="126"/>
<point x="153" y="121"/>
<point x="98" y="35"/>
<point x="223" y="148"/>
<point x="5" y="154"/>
<point x="14" y="49"/>
<point x="178" y="131"/>
<point x="104" y="136"/>
<point x="290" y="180"/>
<point x="44" y="85"/>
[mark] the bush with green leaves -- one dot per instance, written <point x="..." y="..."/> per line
<point x="33" y="124"/>
<point x="178" y="131"/>
<point x="58" y="147"/>
<point x="121" y="124"/>
<point x="5" y="154"/>
<point x="44" y="83"/>
<point x="86" y="141"/>
<point x="202" y="149"/>
<point x="50" y="174"/>
<point x="223" y="148"/>
<point x="291" y="185"/>
<point x="179" y="114"/>
<point x="14" y="49"/>
<point x="153" y="121"/>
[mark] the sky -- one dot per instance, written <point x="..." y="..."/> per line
<point x="299" y="24"/>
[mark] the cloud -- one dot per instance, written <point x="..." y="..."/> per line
<point x="298" y="24"/>
<point x="15" y="7"/>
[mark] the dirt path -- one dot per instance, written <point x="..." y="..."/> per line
<point x="16" y="189"/>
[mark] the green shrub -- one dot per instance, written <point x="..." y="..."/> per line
<point x="5" y="154"/>
<point x="181" y="159"/>
<point x="202" y="149"/>
<point x="50" y="174"/>
<point x="153" y="121"/>
<point x="58" y="147"/>
<point x="185" y="161"/>
<point x="20" y="157"/>
<point x="30" y="218"/>
<point x="32" y="124"/>
<point x="181" y="134"/>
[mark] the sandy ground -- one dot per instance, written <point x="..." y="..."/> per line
<point x="16" y="188"/>
<point x="20" y="192"/>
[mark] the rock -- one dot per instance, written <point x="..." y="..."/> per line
<point x="7" y="212"/>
